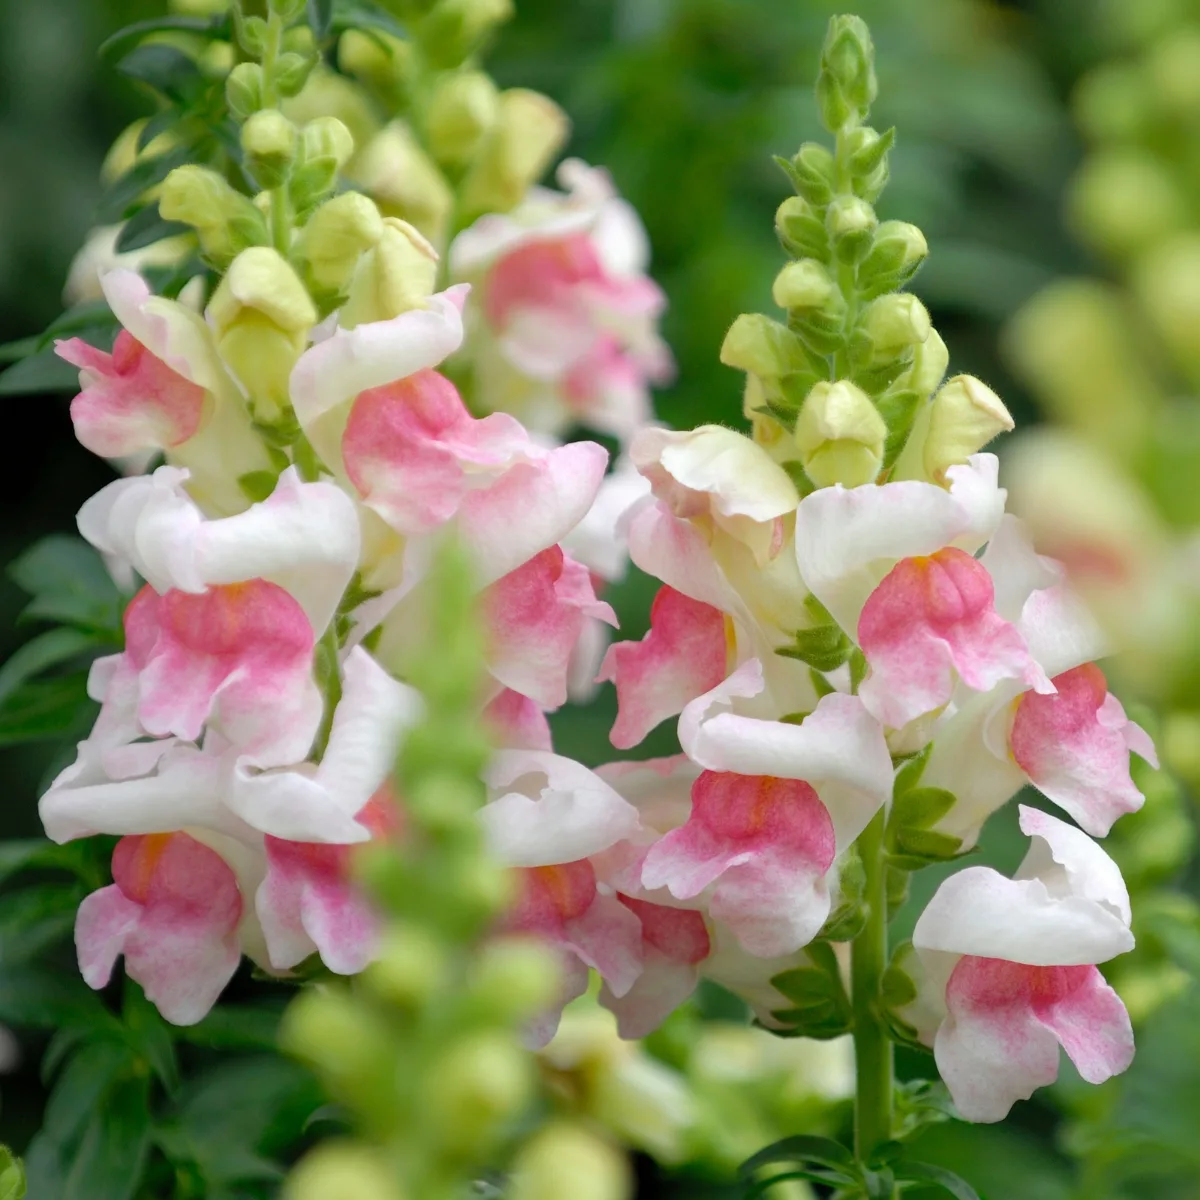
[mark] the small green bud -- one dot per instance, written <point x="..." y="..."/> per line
<point x="251" y="33"/>
<point x="292" y="71"/>
<point x="851" y="222"/>
<point x="338" y="1034"/>
<point x="565" y="1159"/>
<point x="243" y="89"/>
<point x="402" y="179"/>
<point x="1172" y="68"/>
<point x="397" y="274"/>
<point x="803" y="284"/>
<point x="840" y="435"/>
<point x="1112" y="103"/>
<point x="334" y="239"/>
<point x="846" y="85"/>
<point x="1167" y="283"/>
<point x="482" y="1081"/>
<point x="893" y="325"/>
<point x="287" y="10"/>
<point x="269" y="142"/>
<point x="897" y="251"/>
<point x="529" y="130"/>
<point x="930" y="360"/>
<point x="342" y="1171"/>
<point x="965" y="415"/>
<point x="327" y="137"/>
<point x="409" y="968"/>
<point x="226" y="222"/>
<point x="514" y="979"/>
<point x="461" y="111"/>
<point x="763" y="347"/>
<point x="456" y="28"/>
<point x="801" y="231"/>
<point x="813" y="173"/>
<point x="868" y="153"/>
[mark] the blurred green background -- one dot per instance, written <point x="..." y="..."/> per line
<point x="684" y="101"/>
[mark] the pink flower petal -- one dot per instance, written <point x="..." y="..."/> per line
<point x="173" y="912"/>
<point x="130" y="400"/>
<point x="517" y="722"/>
<point x="683" y="656"/>
<point x="1075" y="744"/>
<point x="538" y="274"/>
<point x="661" y="987"/>
<point x="933" y="618"/>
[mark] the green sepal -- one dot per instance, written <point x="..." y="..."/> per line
<point x="824" y="648"/>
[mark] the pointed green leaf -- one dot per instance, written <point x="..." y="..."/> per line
<point x="49" y="649"/>
<point x="802" y="1148"/>
<point x="939" y="1177"/>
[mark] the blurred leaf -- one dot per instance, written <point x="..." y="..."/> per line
<point x="45" y="709"/>
<point x="234" y="1027"/>
<point x="149" y="1036"/>
<point x="320" y="16"/>
<point x="803" y="1148"/>
<point x="145" y="228"/>
<point x="36" y="917"/>
<point x="43" y="999"/>
<point x="48" y="649"/>
<point x="41" y="372"/>
<point x="12" y="1176"/>
<point x="34" y="852"/>
<point x="947" y="1181"/>
<point x="167" y="69"/>
<point x="69" y="582"/>
<point x="15" y="351"/>
<point x="122" y="197"/>
<point x="211" y="27"/>
<point x="110" y="1158"/>
<point x="363" y="14"/>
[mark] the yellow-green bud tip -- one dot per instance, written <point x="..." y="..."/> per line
<point x="840" y="435"/>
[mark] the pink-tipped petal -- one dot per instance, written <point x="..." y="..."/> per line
<point x="683" y="656"/>
<point x="1075" y="745"/>
<point x="517" y="723"/>
<point x="930" y="620"/>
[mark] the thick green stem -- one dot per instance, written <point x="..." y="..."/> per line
<point x="872" y="1045"/>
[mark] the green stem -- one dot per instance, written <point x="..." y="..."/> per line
<point x="868" y="960"/>
<point x="330" y="679"/>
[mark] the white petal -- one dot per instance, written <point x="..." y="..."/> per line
<point x="1017" y="570"/>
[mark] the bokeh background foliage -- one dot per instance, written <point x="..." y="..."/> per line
<point x="684" y="101"/>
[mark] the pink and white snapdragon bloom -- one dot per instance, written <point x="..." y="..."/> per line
<point x="564" y="323"/>
<point x="1007" y="971"/>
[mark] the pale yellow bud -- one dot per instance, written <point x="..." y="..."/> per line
<point x="895" y="324"/>
<point x="403" y="180"/>
<point x="840" y="435"/>
<point x="516" y="978"/>
<point x="328" y="95"/>
<point x="965" y="415"/>
<point x="335" y="238"/>
<point x="342" y="1171"/>
<point x="803" y="284"/>
<point x="565" y="1160"/>
<point x="327" y="137"/>
<point x="1173" y="70"/>
<point x="398" y="274"/>
<point x="269" y="142"/>
<point x="410" y="967"/>
<point x="482" y="1081"/>
<point x="763" y="347"/>
<point x="461" y="111"/>
<point x="330" y="1029"/>
<point x="262" y="315"/>
<point x="225" y="221"/>
<point x="1122" y="201"/>
<point x="930" y="360"/>
<point x="1167" y="282"/>
<point x="378" y="58"/>
<point x="529" y="130"/>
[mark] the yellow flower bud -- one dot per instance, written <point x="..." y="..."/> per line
<point x="342" y="1171"/>
<point x="328" y="137"/>
<point x="269" y="142"/>
<point x="379" y="59"/>
<point x="515" y="978"/>
<point x="801" y="231"/>
<point x="563" y="1159"/>
<point x="1172" y="69"/>
<point x="840" y="435"/>
<point x="335" y="238"/>
<point x="397" y="274"/>
<point x="262" y="315"/>
<point x="930" y="361"/>
<point x="403" y="180"/>
<point x="1111" y="102"/>
<point x="895" y="324"/>
<point x="330" y="95"/>
<point x="461" y="111"/>
<point x="225" y="221"/>
<point x="244" y="88"/>
<point x="339" y="1035"/>
<point x="1122" y="201"/>
<point x="803" y="284"/>
<point x="410" y="967"/>
<point x="1167" y="283"/>
<point x="851" y="222"/>
<point x="763" y="347"/>
<point x="965" y="415"/>
<point x="529" y="130"/>
<point x="483" y="1080"/>
<point x="455" y="28"/>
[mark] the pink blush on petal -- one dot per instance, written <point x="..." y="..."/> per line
<point x="678" y="934"/>
<point x="537" y="275"/>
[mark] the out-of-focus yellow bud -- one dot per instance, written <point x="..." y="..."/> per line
<point x="1172" y="69"/>
<point x="894" y="324"/>
<point x="529" y="130"/>
<point x="455" y="28"/>
<point x="483" y="1080"/>
<point x="124" y="152"/>
<point x="461" y="111"/>
<point x="384" y="62"/>
<point x="515" y="978"/>
<point x="397" y="274"/>
<point x="333" y="241"/>
<point x="328" y="94"/>
<point x="840" y="435"/>
<point x="226" y="222"/>
<point x="564" y="1159"/>
<point x="410" y="966"/>
<point x="1122" y="201"/>
<point x="262" y="315"/>
<point x="342" y="1171"/>
<point x="1071" y="344"/>
<point x="965" y="415"/>
<point x="269" y="142"/>
<point x="763" y="347"/>
<point x="244" y="89"/>
<point x="403" y="180"/>
<point x="328" y="137"/>
<point x="1167" y="283"/>
<point x="343" y="1037"/>
<point x="1111" y="102"/>
<point x="803" y="284"/>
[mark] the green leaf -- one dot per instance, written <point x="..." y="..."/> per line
<point x="363" y="14"/>
<point x="41" y="372"/>
<point x="167" y="69"/>
<point x="145" y="228"/>
<point x="124" y="39"/>
<point x="149" y="1037"/>
<point x="763" y="1186"/>
<point x="320" y="17"/>
<point x="235" y="1027"/>
<point x="123" y="196"/>
<point x="20" y="855"/>
<point x="48" y="649"/>
<point x="12" y="1176"/>
<point x="824" y="648"/>
<point x="69" y="583"/>
<point x="921" y="807"/>
<point x="111" y="1155"/>
<point x="22" y="348"/>
<point x="257" y="485"/>
<point x="939" y="1177"/>
<point x="910" y="773"/>
<point x="36" y="917"/>
<point x="43" y="999"/>
<point x="803" y="1148"/>
<point x="45" y="709"/>
<point x="926" y="845"/>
